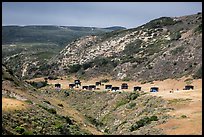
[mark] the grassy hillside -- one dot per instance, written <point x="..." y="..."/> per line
<point x="46" y="111"/>
<point x="60" y="35"/>
<point x="28" y="111"/>
<point x="167" y="47"/>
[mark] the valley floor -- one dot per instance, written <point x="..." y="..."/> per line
<point x="186" y="104"/>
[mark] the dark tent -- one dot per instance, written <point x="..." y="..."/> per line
<point x="58" y="85"/>
<point x="77" y="83"/>
<point x="98" y="83"/>
<point x="108" y="86"/>
<point x="115" y="88"/>
<point x="85" y="87"/>
<point x="124" y="86"/>
<point x="137" y="88"/>
<point x="72" y="85"/>
<point x="91" y="87"/>
<point x="188" y="87"/>
<point x="154" y="89"/>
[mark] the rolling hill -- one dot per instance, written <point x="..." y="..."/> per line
<point x="167" y="47"/>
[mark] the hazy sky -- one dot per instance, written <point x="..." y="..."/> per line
<point x="93" y="14"/>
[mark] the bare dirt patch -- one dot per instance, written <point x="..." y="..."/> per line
<point x="9" y="104"/>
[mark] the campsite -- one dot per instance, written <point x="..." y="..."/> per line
<point x="180" y="100"/>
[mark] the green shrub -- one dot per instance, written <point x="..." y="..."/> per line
<point x="177" y="50"/>
<point x="198" y="74"/>
<point x="87" y="65"/>
<point x="52" y="110"/>
<point x="28" y="133"/>
<point x="133" y="96"/>
<point x="154" y="118"/>
<point x="68" y="120"/>
<point x="121" y="102"/>
<point x="60" y="105"/>
<point x="143" y="82"/>
<point x="142" y="122"/>
<point x="106" y="130"/>
<point x="126" y="79"/>
<point x="183" y="116"/>
<point x="47" y="102"/>
<point x="133" y="47"/>
<point x="131" y="105"/>
<point x="175" y="36"/>
<point x="20" y="129"/>
<point x="74" y="68"/>
<point x="105" y="80"/>
<point x="94" y="121"/>
<point x="39" y="84"/>
<point x="29" y="101"/>
<point x="160" y="22"/>
<point x="101" y="61"/>
<point x="52" y="78"/>
<point x="198" y="29"/>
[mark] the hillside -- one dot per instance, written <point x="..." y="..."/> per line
<point x="28" y="111"/>
<point x="47" y="111"/>
<point x="167" y="47"/>
<point x="59" y="35"/>
<point x="28" y="46"/>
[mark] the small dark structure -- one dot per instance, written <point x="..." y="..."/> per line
<point x="124" y="86"/>
<point x="85" y="87"/>
<point x="188" y="87"/>
<point x="77" y="83"/>
<point x="137" y="88"/>
<point x="115" y="88"/>
<point x="108" y="86"/>
<point x="58" y="85"/>
<point x="154" y="89"/>
<point x="91" y="87"/>
<point x="98" y="83"/>
<point x="72" y="85"/>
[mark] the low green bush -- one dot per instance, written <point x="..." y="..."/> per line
<point x="142" y="122"/>
<point x="198" y="74"/>
<point x="39" y="84"/>
<point x="29" y="101"/>
<point x="133" y="96"/>
<point x="60" y="105"/>
<point x="131" y="105"/>
<point x="20" y="129"/>
<point x="177" y="50"/>
<point x="198" y="28"/>
<point x="74" y="68"/>
<point x="175" y="36"/>
<point x="126" y="79"/>
<point x="105" y="80"/>
<point x="121" y="102"/>
<point x="183" y="116"/>
<point x="28" y="133"/>
<point x="47" y="102"/>
<point x="52" y="110"/>
<point x="94" y="121"/>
